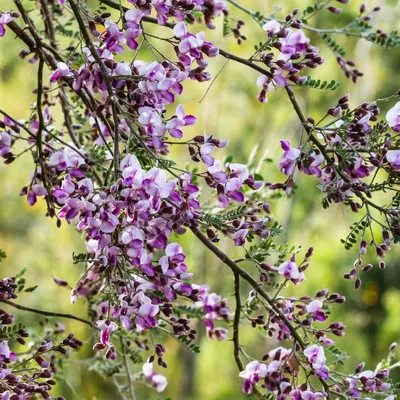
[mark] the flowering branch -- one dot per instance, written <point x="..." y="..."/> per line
<point x="117" y="183"/>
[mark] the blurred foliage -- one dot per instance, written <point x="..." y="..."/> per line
<point x="230" y="109"/>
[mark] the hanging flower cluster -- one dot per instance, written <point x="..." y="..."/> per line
<point x="38" y="381"/>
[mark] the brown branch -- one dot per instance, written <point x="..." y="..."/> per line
<point x="236" y="321"/>
<point x="321" y="148"/>
<point x="253" y="282"/>
<point x="257" y="286"/>
<point x="103" y="68"/>
<point x="48" y="19"/>
<point x="48" y="313"/>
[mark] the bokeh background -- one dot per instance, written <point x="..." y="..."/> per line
<point x="230" y="110"/>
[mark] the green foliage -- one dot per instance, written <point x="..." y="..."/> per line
<point x="335" y="47"/>
<point x="396" y="201"/>
<point x="10" y="331"/>
<point x="355" y="229"/>
<point x="108" y="370"/>
<point x="100" y="9"/>
<point x="64" y="31"/>
<point x="311" y="10"/>
<point x="317" y="84"/>
<point x="339" y="356"/>
<point x="98" y="154"/>
<point x="81" y="257"/>
<point x="188" y="344"/>
<point x="3" y="255"/>
<point x="226" y="29"/>
<point x="31" y="289"/>
<point x="326" y="202"/>
<point x="259" y="17"/>
<point x="268" y="396"/>
<point x="135" y="355"/>
<point x="264" y="248"/>
<point x="219" y="220"/>
<point x="362" y="26"/>
<point x="20" y="281"/>
<point x="189" y="311"/>
<point x="388" y="41"/>
<point x="228" y="160"/>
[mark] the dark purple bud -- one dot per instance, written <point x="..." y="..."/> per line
<point x="322" y="293"/>
<point x="368" y="267"/>
<point x="335" y="10"/>
<point x="359" y="368"/>
<point x="357" y="284"/>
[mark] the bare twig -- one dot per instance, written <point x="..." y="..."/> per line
<point x="49" y="313"/>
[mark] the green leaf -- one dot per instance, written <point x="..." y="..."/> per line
<point x="31" y="289"/>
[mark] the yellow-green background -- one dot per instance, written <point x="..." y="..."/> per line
<point x="229" y="110"/>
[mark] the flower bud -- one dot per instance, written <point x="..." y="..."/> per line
<point x="322" y="293"/>
<point x="357" y="284"/>
<point x="335" y="10"/>
<point x="368" y="267"/>
<point x="359" y="368"/>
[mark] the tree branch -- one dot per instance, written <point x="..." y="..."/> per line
<point x="48" y="313"/>
<point x="236" y="321"/>
<point x="105" y="74"/>
<point x="257" y="286"/>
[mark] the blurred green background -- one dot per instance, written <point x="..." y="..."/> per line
<point x="230" y="110"/>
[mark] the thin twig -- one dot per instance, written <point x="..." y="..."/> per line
<point x="49" y="313"/>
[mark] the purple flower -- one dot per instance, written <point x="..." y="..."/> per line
<point x="358" y="169"/>
<point x="290" y="271"/>
<point x="107" y="327"/>
<point x="316" y="356"/>
<point x="240" y="236"/>
<point x="61" y="71"/>
<point x="288" y="161"/>
<point x="392" y="156"/>
<point x="313" y="163"/>
<point x="157" y="381"/>
<point x="133" y="30"/>
<point x="126" y="322"/>
<point x="272" y="27"/>
<point x="393" y="117"/>
<point x="314" y="308"/>
<point x="5" y="143"/>
<point x="5" y="19"/>
<point x="173" y="125"/>
<point x="296" y="41"/>
<point x="152" y="122"/>
<point x="36" y="190"/>
<point x="252" y="374"/>
<point x="205" y="151"/>
<point x="113" y="37"/>
<point x="264" y="82"/>
<point x="5" y="352"/>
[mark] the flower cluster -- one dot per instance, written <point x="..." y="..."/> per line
<point x="35" y="381"/>
<point x="295" y="54"/>
<point x="358" y="152"/>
